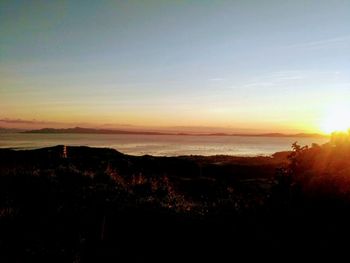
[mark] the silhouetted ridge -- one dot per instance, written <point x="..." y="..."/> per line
<point x="80" y="130"/>
<point x="82" y="204"/>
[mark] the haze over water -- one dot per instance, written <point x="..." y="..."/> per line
<point x="161" y="145"/>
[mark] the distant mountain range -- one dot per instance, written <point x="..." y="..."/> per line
<point x="93" y="131"/>
<point x="79" y="130"/>
<point x="9" y="130"/>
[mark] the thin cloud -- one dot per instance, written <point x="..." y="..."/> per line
<point x="276" y="79"/>
<point x="216" y="79"/>
<point x="296" y="78"/>
<point x="259" y="84"/>
<point x="324" y="43"/>
<point x="20" y="121"/>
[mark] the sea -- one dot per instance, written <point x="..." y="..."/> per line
<point x="161" y="145"/>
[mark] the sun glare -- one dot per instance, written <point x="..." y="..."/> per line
<point x="337" y="118"/>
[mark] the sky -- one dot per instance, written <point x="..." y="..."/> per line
<point x="269" y="66"/>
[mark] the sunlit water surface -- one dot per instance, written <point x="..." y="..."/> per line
<point x="160" y="145"/>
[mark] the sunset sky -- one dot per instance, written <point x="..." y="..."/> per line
<point x="269" y="66"/>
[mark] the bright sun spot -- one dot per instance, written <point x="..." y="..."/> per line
<point x="337" y="118"/>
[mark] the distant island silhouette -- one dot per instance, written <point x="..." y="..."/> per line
<point x="80" y="130"/>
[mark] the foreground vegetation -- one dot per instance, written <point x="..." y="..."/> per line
<point x="98" y="205"/>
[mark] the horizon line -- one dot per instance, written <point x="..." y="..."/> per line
<point x="87" y="130"/>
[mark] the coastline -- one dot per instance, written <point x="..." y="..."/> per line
<point x="165" y="145"/>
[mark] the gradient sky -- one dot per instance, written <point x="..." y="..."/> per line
<point x="262" y="65"/>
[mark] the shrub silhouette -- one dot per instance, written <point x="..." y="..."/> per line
<point x="99" y="203"/>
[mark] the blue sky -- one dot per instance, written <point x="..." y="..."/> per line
<point x="266" y="65"/>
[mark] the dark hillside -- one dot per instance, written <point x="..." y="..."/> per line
<point x="99" y="205"/>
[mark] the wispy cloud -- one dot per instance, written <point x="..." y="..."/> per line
<point x="323" y="43"/>
<point x="259" y="84"/>
<point x="296" y="78"/>
<point x="275" y="79"/>
<point x="20" y="121"/>
<point x="216" y="79"/>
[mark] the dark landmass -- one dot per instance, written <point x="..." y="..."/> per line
<point x="298" y="135"/>
<point x="92" y="131"/>
<point x="106" y="131"/>
<point x="80" y="204"/>
<point x="8" y="130"/>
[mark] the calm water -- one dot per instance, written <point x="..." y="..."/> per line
<point x="167" y="145"/>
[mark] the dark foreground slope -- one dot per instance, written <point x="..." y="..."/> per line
<point x="98" y="205"/>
